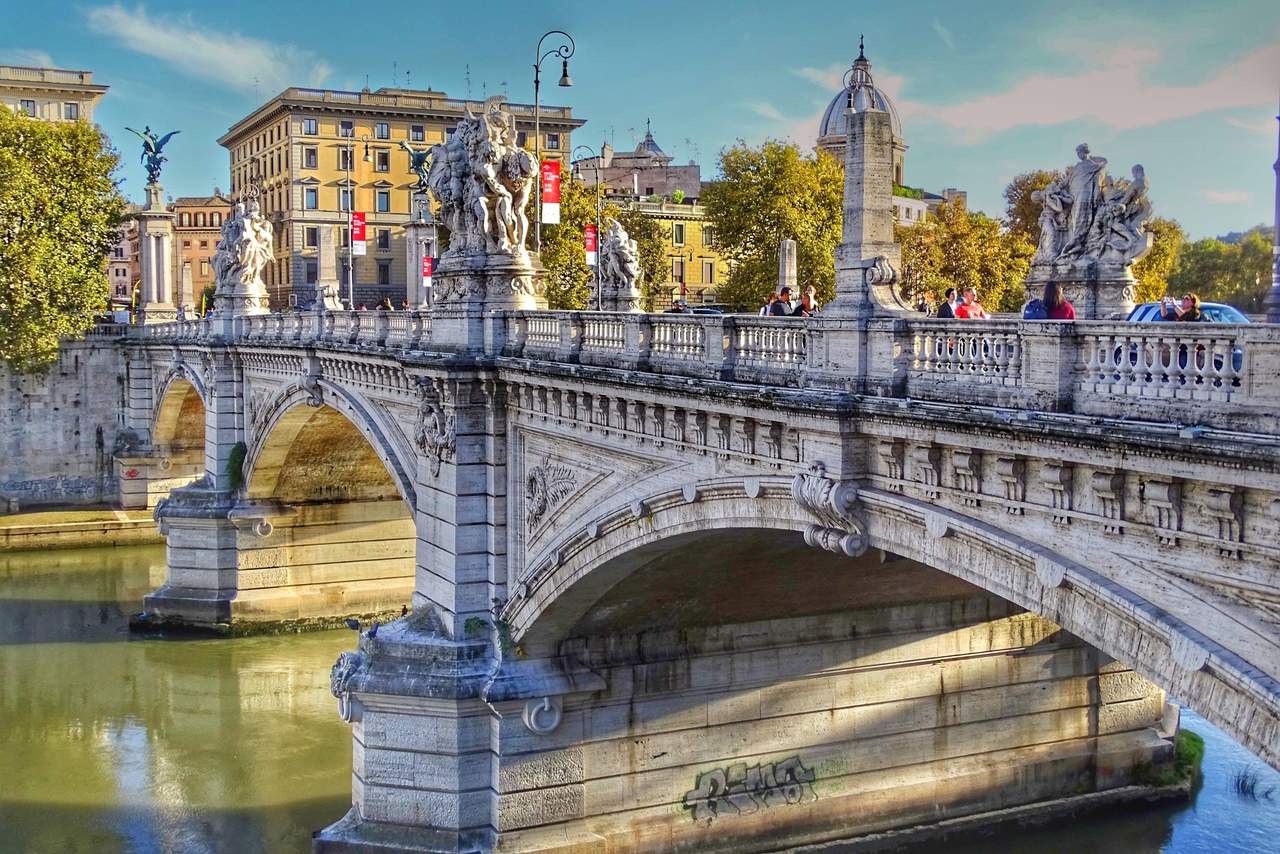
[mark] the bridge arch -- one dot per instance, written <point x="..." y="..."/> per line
<point x="588" y="561"/>
<point x="324" y="418"/>
<point x="179" y="419"/>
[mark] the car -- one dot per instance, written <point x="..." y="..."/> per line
<point x="1213" y="312"/>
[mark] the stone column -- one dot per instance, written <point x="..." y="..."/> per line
<point x="1273" y="298"/>
<point x="188" y="299"/>
<point x="155" y="239"/>
<point x="787" y="265"/>
<point x="419" y="242"/>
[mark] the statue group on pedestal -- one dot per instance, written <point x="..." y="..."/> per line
<point x="244" y="251"/>
<point x="619" y="261"/>
<point x="482" y="181"/>
<point x="1090" y="217"/>
<point x="151" y="148"/>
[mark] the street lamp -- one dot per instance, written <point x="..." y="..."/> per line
<point x="596" y="167"/>
<point x="351" y="206"/>
<point x="564" y="51"/>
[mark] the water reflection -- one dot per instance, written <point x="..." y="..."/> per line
<point x="115" y="744"/>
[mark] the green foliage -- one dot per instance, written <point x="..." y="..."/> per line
<point x="907" y="192"/>
<point x="206" y="299"/>
<point x="473" y="626"/>
<point x="1238" y="274"/>
<point x="956" y="247"/>
<point x="235" y="466"/>
<point x="1021" y="212"/>
<point x="677" y="196"/>
<point x="651" y="236"/>
<point x="1153" y="271"/>
<point x="1188" y="754"/>
<point x="61" y="213"/>
<point x="569" y="279"/>
<point x="770" y="193"/>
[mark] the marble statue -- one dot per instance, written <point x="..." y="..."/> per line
<point x="243" y="252"/>
<point x="482" y="181"/>
<point x="1090" y="218"/>
<point x="151" y="148"/>
<point x="619" y="270"/>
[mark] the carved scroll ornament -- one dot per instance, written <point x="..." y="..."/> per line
<point x="839" y="529"/>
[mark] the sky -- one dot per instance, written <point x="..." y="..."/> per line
<point x="985" y="90"/>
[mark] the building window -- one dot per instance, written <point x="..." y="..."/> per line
<point x="346" y="236"/>
<point x="382" y="130"/>
<point x="384" y="238"/>
<point x="309" y="127"/>
<point x="310" y="157"/>
<point x="522" y="138"/>
<point x="382" y="161"/>
<point x="553" y="142"/>
<point x="708" y="236"/>
<point x="346" y="199"/>
<point x="384" y="272"/>
<point x="677" y="233"/>
<point x="311" y="238"/>
<point x="648" y="191"/>
<point x="708" y="272"/>
<point x="417" y="133"/>
<point x="312" y="272"/>
<point x="186" y="244"/>
<point x="346" y="129"/>
<point x="384" y="201"/>
<point x="200" y="220"/>
<point x="346" y="159"/>
<point x="185" y="219"/>
<point x="204" y="244"/>
<point x="204" y="266"/>
<point x="310" y="198"/>
<point x="215" y="219"/>
<point x="677" y="270"/>
<point x="71" y="111"/>
<point x="27" y="106"/>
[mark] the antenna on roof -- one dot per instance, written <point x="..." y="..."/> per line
<point x="506" y="90"/>
<point x="467" y="67"/>
<point x="395" y="72"/>
<point x="408" y="79"/>
<point x="256" y="94"/>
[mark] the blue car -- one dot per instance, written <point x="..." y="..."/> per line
<point x="1211" y="312"/>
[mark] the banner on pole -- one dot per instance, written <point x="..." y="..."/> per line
<point x="551" y="192"/>
<point x="426" y="271"/>
<point x="357" y="233"/>
<point x="589" y="243"/>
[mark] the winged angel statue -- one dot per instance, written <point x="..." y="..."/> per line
<point x="151" y="148"/>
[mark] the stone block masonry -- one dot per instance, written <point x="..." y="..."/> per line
<point x="58" y="428"/>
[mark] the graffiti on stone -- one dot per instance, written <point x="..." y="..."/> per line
<point x="57" y="488"/>
<point x="739" y="790"/>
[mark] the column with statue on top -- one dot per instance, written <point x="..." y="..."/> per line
<point x="155" y="235"/>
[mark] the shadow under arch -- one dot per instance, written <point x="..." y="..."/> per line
<point x="180" y="416"/>
<point x="591" y="558"/>
<point x="294" y="416"/>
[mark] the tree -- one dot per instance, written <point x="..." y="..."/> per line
<point x="960" y="248"/>
<point x="1021" y="212"/>
<point x="1238" y="274"/>
<point x="1152" y="272"/>
<point x="768" y="194"/>
<point x="569" y="279"/>
<point x="651" y="238"/>
<point x="60" y="213"/>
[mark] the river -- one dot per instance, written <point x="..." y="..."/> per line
<point x="115" y="744"/>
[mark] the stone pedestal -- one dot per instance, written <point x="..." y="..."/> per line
<point x="469" y="287"/>
<point x="327" y="285"/>
<point x="155" y="249"/>
<point x="419" y="242"/>
<point x="145" y="479"/>
<point x="620" y="299"/>
<point x="787" y="265"/>
<point x="1096" y="291"/>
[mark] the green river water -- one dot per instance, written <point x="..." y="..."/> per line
<point x="110" y="743"/>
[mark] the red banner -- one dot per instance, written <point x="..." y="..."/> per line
<point x="551" y="192"/>
<point x="589" y="243"/>
<point x="357" y="233"/>
<point x="426" y="270"/>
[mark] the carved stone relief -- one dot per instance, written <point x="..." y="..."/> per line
<point x="1226" y="506"/>
<point x="546" y="486"/>
<point x="1059" y="479"/>
<point x="1012" y="472"/>
<point x="1108" y="492"/>
<point x="835" y="504"/>
<point x="1165" y="499"/>
<point x="436" y="433"/>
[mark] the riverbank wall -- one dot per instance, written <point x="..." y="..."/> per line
<point x="59" y="428"/>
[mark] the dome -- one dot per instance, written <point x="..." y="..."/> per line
<point x="835" y="119"/>
<point x="648" y="145"/>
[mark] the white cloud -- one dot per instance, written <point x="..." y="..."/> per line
<point x="1228" y="197"/>
<point x="240" y="62"/>
<point x="27" y="56"/>
<point x="1116" y="94"/>
<point x="830" y="79"/>
<point x="944" y="34"/>
<point x="1267" y="126"/>
<point x="769" y="111"/>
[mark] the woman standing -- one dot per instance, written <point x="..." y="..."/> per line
<point x="1056" y="305"/>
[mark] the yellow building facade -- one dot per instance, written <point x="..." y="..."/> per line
<point x="320" y="153"/>
<point x="197" y="228"/>
<point x="50" y="94"/>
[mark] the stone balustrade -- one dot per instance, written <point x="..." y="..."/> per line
<point x="1217" y="375"/>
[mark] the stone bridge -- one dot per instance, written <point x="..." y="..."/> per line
<point x="650" y="554"/>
